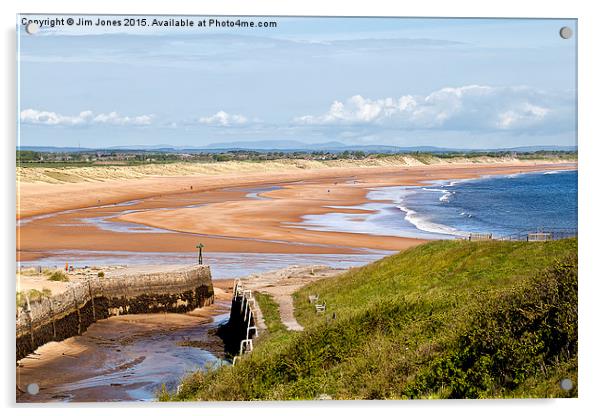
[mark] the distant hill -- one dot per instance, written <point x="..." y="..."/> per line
<point x="53" y="149"/>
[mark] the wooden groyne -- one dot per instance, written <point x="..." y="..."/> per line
<point x="70" y="313"/>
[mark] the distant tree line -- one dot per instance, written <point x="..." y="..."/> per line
<point x="129" y="157"/>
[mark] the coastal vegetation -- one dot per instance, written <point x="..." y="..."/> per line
<point x="270" y="312"/>
<point x="58" y="276"/>
<point x="447" y="319"/>
<point x="51" y="273"/>
<point x="34" y="295"/>
<point x="73" y="168"/>
<point x="31" y="158"/>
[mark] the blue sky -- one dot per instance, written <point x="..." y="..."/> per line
<point x="407" y="82"/>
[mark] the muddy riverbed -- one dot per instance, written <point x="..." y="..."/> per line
<point x="125" y="358"/>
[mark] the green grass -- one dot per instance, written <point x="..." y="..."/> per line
<point x="270" y="312"/>
<point x="63" y="176"/>
<point x="34" y="296"/>
<point x="58" y="276"/>
<point x="447" y="319"/>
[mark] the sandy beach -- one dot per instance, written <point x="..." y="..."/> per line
<point x="245" y="212"/>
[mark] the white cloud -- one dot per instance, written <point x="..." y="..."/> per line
<point x="50" y="118"/>
<point x="114" y="118"/>
<point x="472" y="107"/>
<point x="221" y="118"/>
<point x="524" y="113"/>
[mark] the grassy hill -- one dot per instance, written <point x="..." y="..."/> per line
<point x="449" y="319"/>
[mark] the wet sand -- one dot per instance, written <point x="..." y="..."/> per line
<point x="221" y="213"/>
<point x="126" y="357"/>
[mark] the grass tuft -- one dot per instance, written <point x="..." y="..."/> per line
<point x="34" y="296"/>
<point x="58" y="276"/>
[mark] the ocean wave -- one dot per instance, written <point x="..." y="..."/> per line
<point x="398" y="194"/>
<point x="445" y="197"/>
<point x="458" y="181"/>
<point x="442" y="198"/>
<point x="415" y="219"/>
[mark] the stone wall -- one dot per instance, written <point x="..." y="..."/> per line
<point x="73" y="311"/>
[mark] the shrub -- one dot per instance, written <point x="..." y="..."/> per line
<point x="514" y="336"/>
<point x="58" y="276"/>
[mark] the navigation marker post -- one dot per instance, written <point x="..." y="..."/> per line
<point x="200" y="247"/>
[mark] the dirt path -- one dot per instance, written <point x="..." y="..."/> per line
<point x="282" y="283"/>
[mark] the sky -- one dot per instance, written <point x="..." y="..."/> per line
<point x="463" y="83"/>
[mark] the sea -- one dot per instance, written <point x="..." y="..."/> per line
<point x="503" y="205"/>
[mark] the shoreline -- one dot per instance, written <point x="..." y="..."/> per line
<point x="298" y="202"/>
<point x="227" y="220"/>
<point x="115" y="191"/>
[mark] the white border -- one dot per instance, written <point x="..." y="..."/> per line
<point x="590" y="152"/>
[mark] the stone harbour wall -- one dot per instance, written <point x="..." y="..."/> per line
<point x="70" y="313"/>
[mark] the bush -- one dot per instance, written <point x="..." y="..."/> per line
<point x="58" y="276"/>
<point x="101" y="274"/>
<point x="513" y="336"/>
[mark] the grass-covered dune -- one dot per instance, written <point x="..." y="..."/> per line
<point x="448" y="319"/>
<point x="63" y="172"/>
